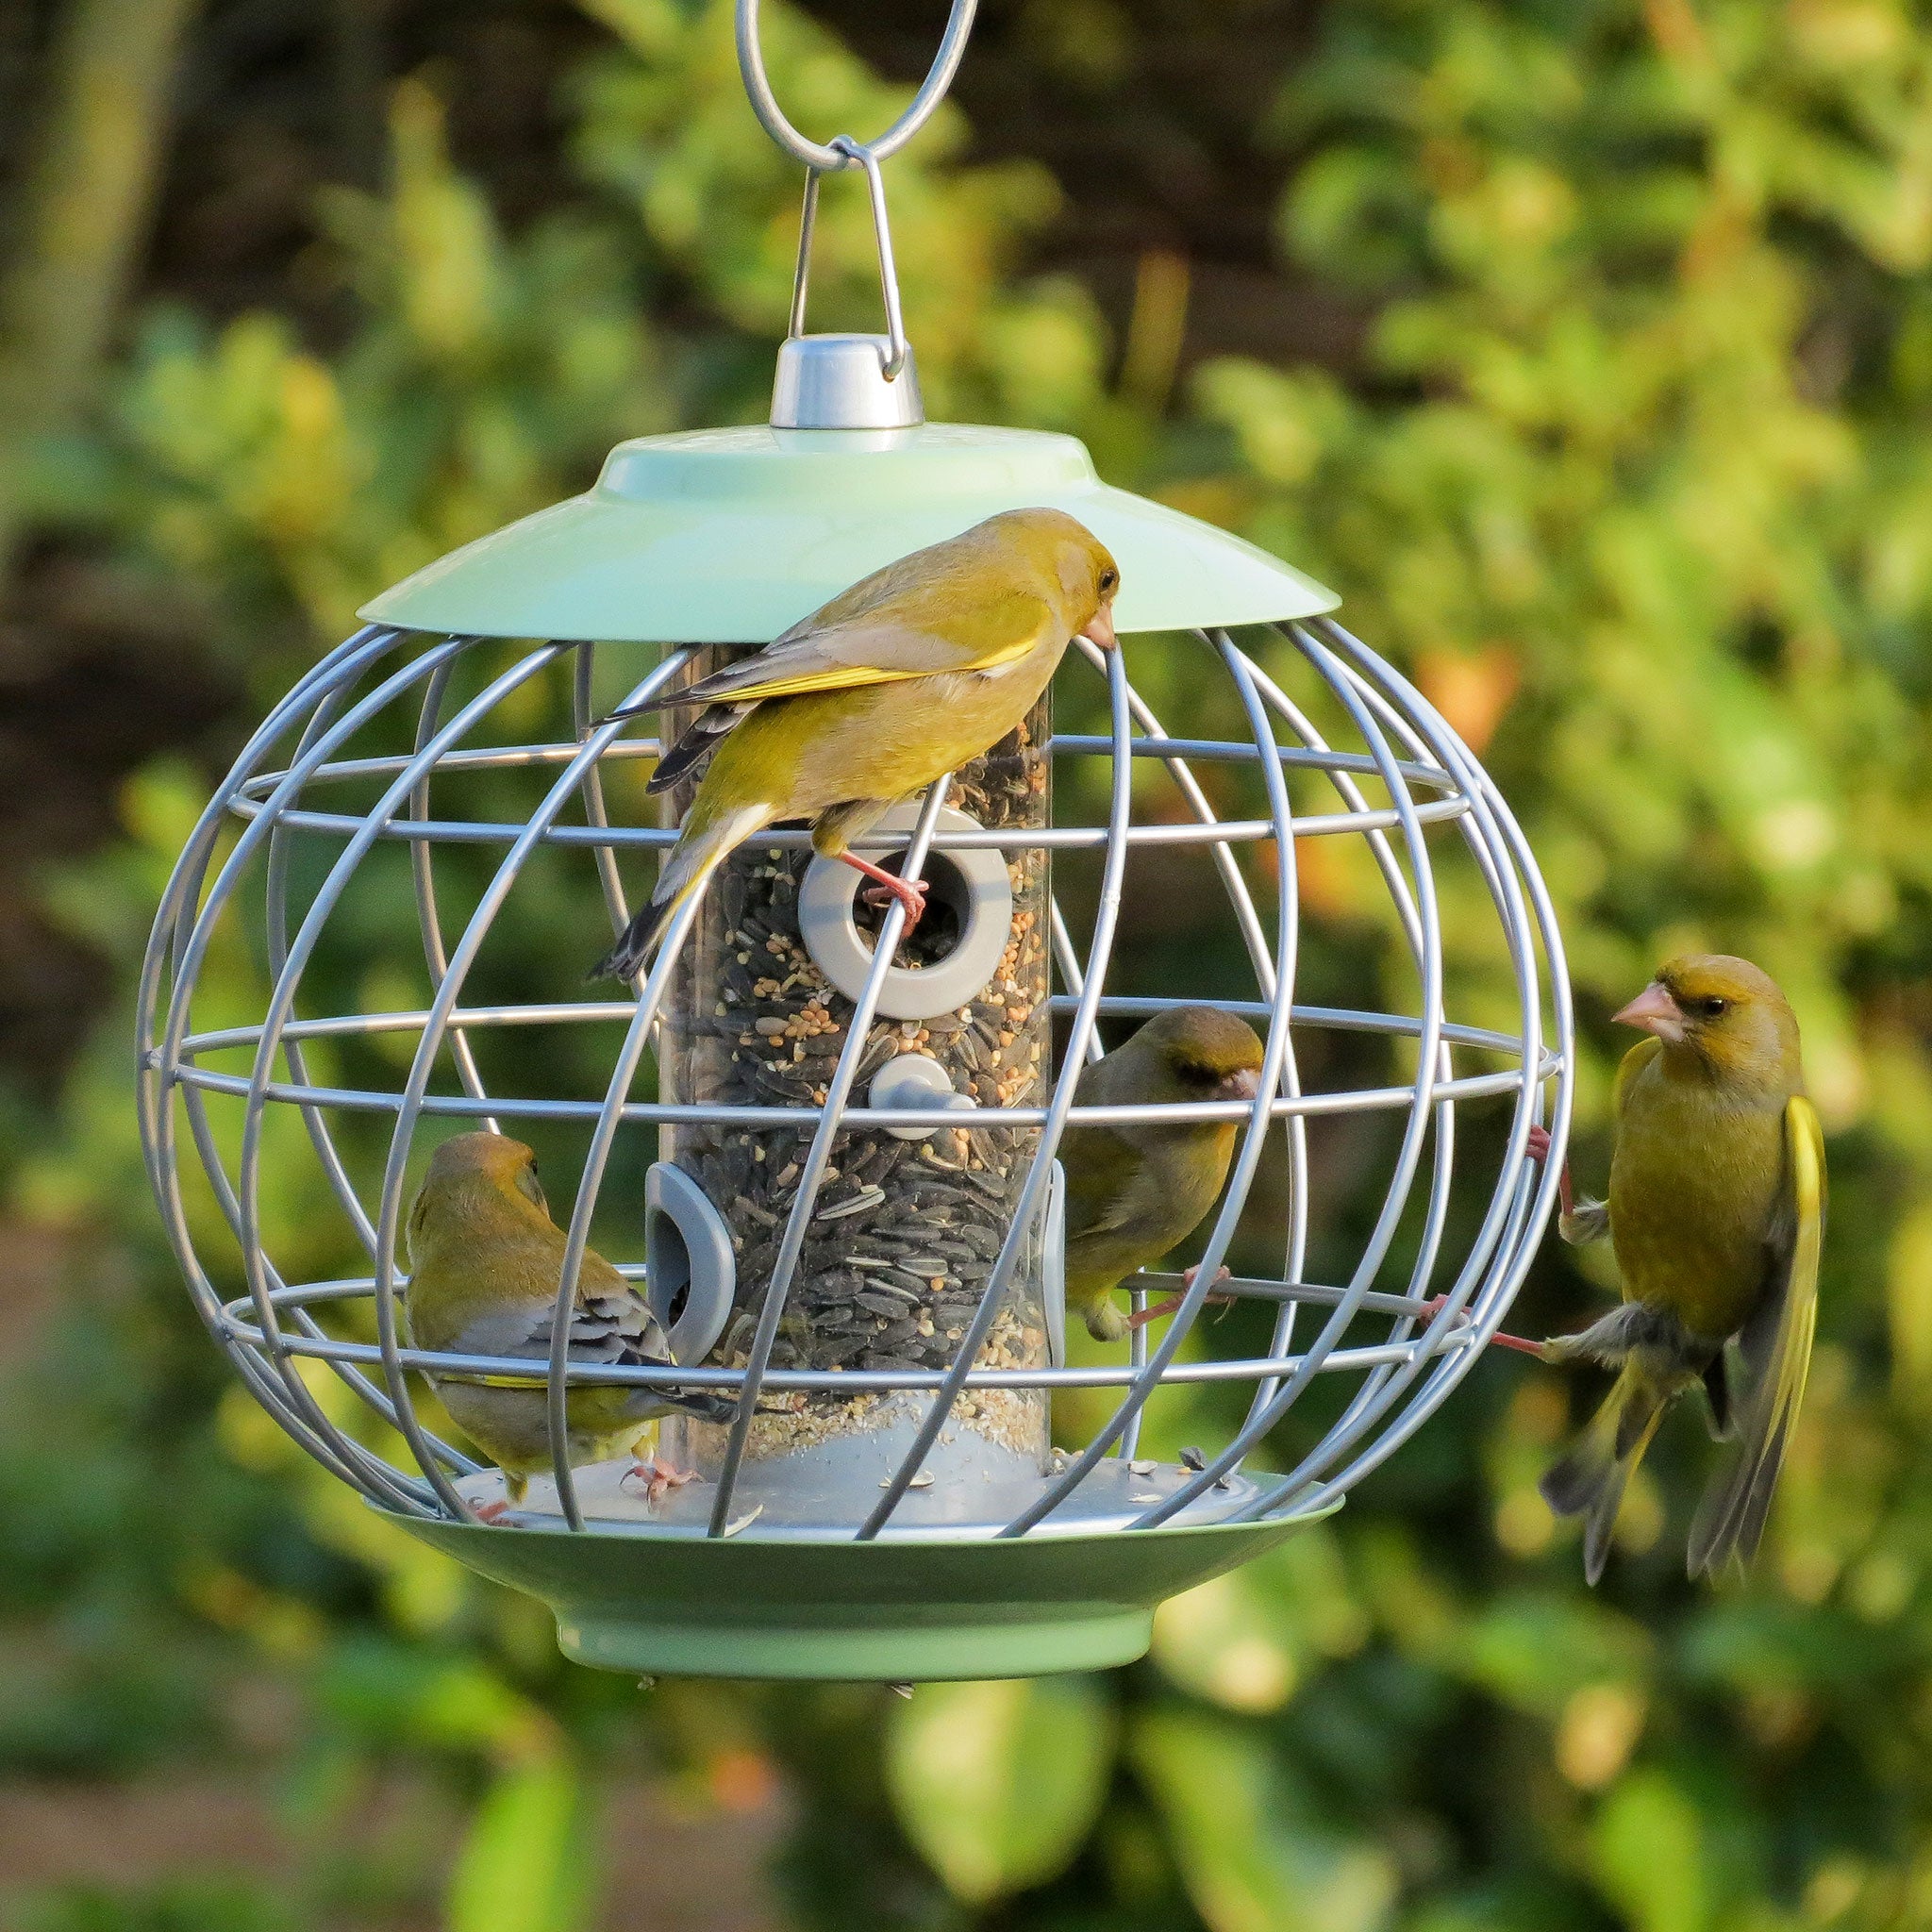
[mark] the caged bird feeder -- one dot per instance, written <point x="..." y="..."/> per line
<point x="851" y="1225"/>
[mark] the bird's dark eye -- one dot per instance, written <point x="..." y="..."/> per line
<point x="1108" y="579"/>
<point x="1712" y="1005"/>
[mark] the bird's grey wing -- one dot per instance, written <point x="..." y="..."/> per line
<point x="883" y="645"/>
<point x="1775" y="1356"/>
<point x="606" y="1327"/>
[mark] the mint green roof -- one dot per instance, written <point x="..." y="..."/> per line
<point x="729" y="536"/>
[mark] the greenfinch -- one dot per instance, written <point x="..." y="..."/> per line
<point x="486" y="1258"/>
<point x="1133" y="1192"/>
<point x="914" y="672"/>
<point x="1717" y="1214"/>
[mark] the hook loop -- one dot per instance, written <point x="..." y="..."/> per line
<point x="830" y="159"/>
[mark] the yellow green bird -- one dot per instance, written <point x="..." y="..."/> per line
<point x="1717" y="1215"/>
<point x="908" y="675"/>
<point x="1133" y="1192"/>
<point x="485" y="1260"/>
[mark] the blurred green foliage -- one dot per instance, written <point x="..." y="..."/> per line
<point x="1631" y="474"/>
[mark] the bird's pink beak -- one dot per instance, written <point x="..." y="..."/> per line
<point x="1100" y="631"/>
<point x="1242" y="1085"/>
<point x="1654" y="1011"/>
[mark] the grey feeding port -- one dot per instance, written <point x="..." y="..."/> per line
<point x="690" y="1271"/>
<point x="969" y="884"/>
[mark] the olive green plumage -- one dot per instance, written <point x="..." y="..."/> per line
<point x="1134" y="1192"/>
<point x="906" y="676"/>
<point x="1716" y="1213"/>
<point x="486" y="1259"/>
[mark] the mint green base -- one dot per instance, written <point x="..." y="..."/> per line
<point x="902" y="1610"/>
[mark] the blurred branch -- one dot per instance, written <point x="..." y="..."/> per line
<point x="87" y="189"/>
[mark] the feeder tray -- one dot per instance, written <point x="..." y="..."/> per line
<point x="651" y="1593"/>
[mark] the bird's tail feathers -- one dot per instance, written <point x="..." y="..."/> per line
<point x="701" y="1403"/>
<point x="1730" y="1519"/>
<point x="1589" y="1479"/>
<point x="697" y="854"/>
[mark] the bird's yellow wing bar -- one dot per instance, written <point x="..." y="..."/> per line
<point x="1732" y="1517"/>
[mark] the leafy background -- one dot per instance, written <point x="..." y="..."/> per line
<point x="1586" y="347"/>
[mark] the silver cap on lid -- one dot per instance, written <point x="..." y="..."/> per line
<point x="839" y="382"/>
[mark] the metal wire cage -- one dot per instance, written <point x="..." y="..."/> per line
<point x="311" y="831"/>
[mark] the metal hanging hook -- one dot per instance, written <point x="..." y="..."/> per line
<point x="829" y="159"/>
<point x="844" y="151"/>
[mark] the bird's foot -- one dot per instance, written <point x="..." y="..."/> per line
<point x="1538" y="1148"/>
<point x="494" y="1512"/>
<point x="1521" y="1343"/>
<point x="1157" y="1309"/>
<point x="658" y="1478"/>
<point x="887" y="886"/>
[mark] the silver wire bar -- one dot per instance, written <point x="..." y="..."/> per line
<point x="1122" y="1006"/>
<point x="1248" y="921"/>
<point x="967" y="1119"/>
<point x="1247" y="1157"/>
<point x="275" y="909"/>
<point x="590" y="1187"/>
<point x="530" y="1371"/>
<point x="153" y="1103"/>
<point x="817" y="1158"/>
<point x="596" y="812"/>
<point x="281" y="1005"/>
<point x="1408" y="1157"/>
<point x="1385" y="1385"/>
<point x="1053" y="838"/>
<point x="1350" y="795"/>
<point x="192" y="955"/>
<point x="1149" y="1280"/>
<point x="1158" y="744"/>
<point x="422" y="871"/>
<point x="416" y="1087"/>
<point x="1532" y="1208"/>
<point x="1033" y="1191"/>
<point x="1155" y="743"/>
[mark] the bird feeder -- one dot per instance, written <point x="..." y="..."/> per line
<point x="833" y="1173"/>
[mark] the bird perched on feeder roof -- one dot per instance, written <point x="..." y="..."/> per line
<point x="914" y="672"/>
<point x="486" y="1259"/>
<point x="1133" y="1192"/>
<point x="1717" y="1214"/>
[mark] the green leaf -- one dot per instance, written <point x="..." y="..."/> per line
<point x="998" y="1783"/>
<point x="1252" y="1857"/>
<point x="1647" y="1854"/>
<point x="523" y="1867"/>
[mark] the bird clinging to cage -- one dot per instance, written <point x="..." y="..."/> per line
<point x="1134" y="1191"/>
<point x="486" y="1259"/>
<point x="1717" y="1213"/>
<point x="911" y="672"/>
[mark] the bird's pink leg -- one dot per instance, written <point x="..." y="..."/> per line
<point x="493" y="1512"/>
<point x="910" y="894"/>
<point x="658" y="1477"/>
<point x="1519" y="1343"/>
<point x="1157" y="1309"/>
